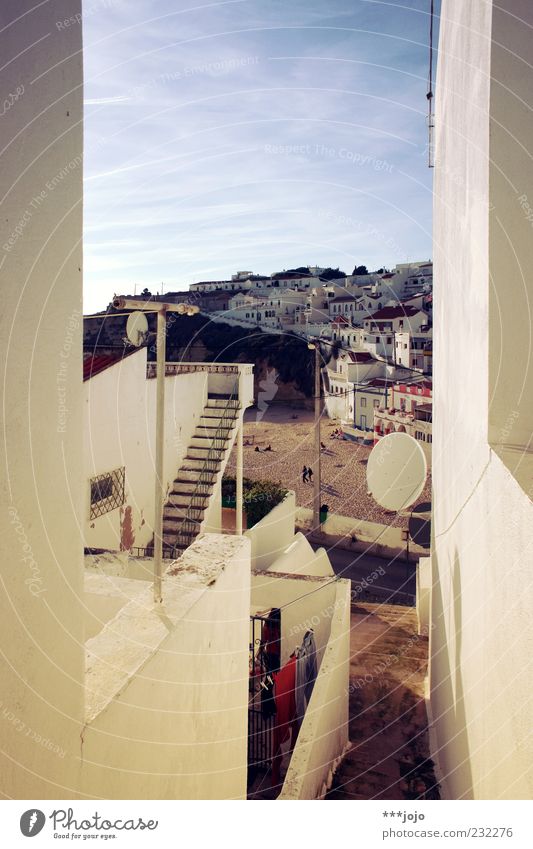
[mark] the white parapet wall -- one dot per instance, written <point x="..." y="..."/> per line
<point x="271" y="536"/>
<point x="299" y="558"/>
<point x="323" y="738"/>
<point x="167" y="685"/>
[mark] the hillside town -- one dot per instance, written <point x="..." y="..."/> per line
<point x="374" y="329"/>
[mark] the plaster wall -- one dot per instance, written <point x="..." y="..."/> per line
<point x="300" y="558"/>
<point x="178" y="728"/>
<point x="119" y="430"/>
<point x="41" y="626"/>
<point x="482" y="526"/>
<point x="323" y="737"/>
<point x="306" y="603"/>
<point x="271" y="536"/>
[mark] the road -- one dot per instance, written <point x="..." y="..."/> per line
<point x="398" y="576"/>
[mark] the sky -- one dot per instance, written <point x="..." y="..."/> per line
<point x="253" y="135"/>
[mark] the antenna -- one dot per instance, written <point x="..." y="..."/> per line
<point x="396" y="471"/>
<point x="429" y="95"/>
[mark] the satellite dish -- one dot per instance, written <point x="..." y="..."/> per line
<point x="420" y="525"/>
<point x="137" y="328"/>
<point x="396" y="471"/>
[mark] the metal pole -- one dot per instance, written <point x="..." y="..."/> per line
<point x="239" y="503"/>
<point x="240" y="466"/>
<point x="316" y="503"/>
<point x="159" y="443"/>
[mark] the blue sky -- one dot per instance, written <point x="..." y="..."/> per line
<point x="252" y="134"/>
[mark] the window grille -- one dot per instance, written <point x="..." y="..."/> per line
<point x="107" y="492"/>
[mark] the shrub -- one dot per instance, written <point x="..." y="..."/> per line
<point x="260" y="497"/>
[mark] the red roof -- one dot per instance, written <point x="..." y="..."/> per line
<point x="340" y="319"/>
<point x="93" y="364"/>
<point x="360" y="356"/>
<point x="401" y="311"/>
<point x="379" y="381"/>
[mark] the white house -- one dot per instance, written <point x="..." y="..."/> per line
<point x="414" y="349"/>
<point x="409" y="411"/>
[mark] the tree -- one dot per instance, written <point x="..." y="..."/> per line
<point x="332" y="274"/>
<point x="360" y="269"/>
<point x="146" y="293"/>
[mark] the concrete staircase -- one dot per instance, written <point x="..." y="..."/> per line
<point x="191" y="492"/>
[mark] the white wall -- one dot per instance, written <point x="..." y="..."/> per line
<point x="273" y="533"/>
<point x="119" y="430"/>
<point x="323" y="737"/>
<point x="40" y="350"/>
<point x="178" y="728"/>
<point x="481" y="603"/>
<point x="299" y="558"/>
<point x="511" y="238"/>
<point x="307" y="602"/>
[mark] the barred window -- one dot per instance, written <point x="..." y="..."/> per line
<point x="107" y="492"/>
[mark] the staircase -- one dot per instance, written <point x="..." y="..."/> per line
<point x="193" y="487"/>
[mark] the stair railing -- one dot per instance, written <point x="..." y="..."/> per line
<point x="209" y="469"/>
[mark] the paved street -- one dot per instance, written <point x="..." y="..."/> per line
<point x="399" y="576"/>
<point x="389" y="757"/>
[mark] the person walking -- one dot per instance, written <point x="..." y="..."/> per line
<point x="305" y="473"/>
<point x="309" y="474"/>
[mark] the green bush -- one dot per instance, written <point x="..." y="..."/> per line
<point x="260" y="497"/>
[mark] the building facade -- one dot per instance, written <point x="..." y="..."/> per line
<point x="482" y="531"/>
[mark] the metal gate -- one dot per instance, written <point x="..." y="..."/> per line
<point x="264" y="660"/>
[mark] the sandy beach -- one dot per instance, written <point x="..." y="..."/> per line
<point x="290" y="433"/>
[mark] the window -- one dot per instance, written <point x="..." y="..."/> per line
<point x="363" y="402"/>
<point x="377" y="340"/>
<point x="107" y="492"/>
<point x="389" y="340"/>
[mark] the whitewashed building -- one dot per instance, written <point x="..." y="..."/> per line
<point x="478" y="579"/>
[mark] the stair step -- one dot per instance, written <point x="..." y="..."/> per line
<point x="180" y="505"/>
<point x="196" y="464"/>
<point x="207" y="442"/>
<point x="180" y="540"/>
<point x="196" y="452"/>
<point x="210" y="430"/>
<point x="213" y="415"/>
<point x="187" y="476"/>
<point x="184" y="488"/>
<point x="221" y="404"/>
<point x="173" y="526"/>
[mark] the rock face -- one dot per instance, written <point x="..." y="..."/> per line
<point x="286" y="394"/>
